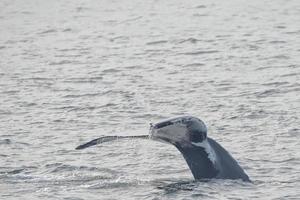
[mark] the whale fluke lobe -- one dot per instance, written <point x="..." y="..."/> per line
<point x="108" y="139"/>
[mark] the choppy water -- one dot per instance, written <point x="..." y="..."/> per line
<point x="71" y="71"/>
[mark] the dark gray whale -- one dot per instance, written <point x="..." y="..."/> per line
<point x="205" y="157"/>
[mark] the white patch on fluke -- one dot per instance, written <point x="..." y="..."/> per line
<point x="174" y="133"/>
<point x="206" y="146"/>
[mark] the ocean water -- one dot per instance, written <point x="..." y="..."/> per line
<point x="71" y="71"/>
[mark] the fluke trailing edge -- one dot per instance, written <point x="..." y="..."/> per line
<point x="205" y="157"/>
<point x="108" y="139"/>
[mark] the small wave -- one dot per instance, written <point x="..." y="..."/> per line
<point x="294" y="132"/>
<point x="189" y="40"/>
<point x="57" y="174"/>
<point x="194" y="65"/>
<point x="131" y="19"/>
<point x="51" y="179"/>
<point x="267" y="93"/>
<point x="66" y="168"/>
<point x="74" y="49"/>
<point x="75" y="108"/>
<point x="48" y="31"/>
<point x="16" y="171"/>
<point x="157" y="42"/>
<point x="263" y="68"/>
<point x="276" y="83"/>
<point x="73" y="198"/>
<point x="223" y="36"/>
<point x="201" y="52"/>
<point x="131" y="67"/>
<point x="5" y="112"/>
<point x="65" y="108"/>
<point x="82" y="8"/>
<point x="277" y="42"/>
<point x="119" y="182"/>
<point x="112" y="70"/>
<point x="84" y="80"/>
<point x="290" y="74"/>
<point x="62" y="62"/>
<point x="67" y="30"/>
<point x="110" y="185"/>
<point x="41" y="79"/>
<point x="118" y="38"/>
<point x="196" y="185"/>
<point x="276" y="67"/>
<point x="281" y="56"/>
<point x="60" y="167"/>
<point x="200" y="6"/>
<point x="287" y="160"/>
<point x="280" y="27"/>
<point x="292" y="32"/>
<point x="177" y="186"/>
<point x="81" y="95"/>
<point x="5" y="141"/>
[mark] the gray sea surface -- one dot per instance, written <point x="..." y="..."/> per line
<point x="71" y="71"/>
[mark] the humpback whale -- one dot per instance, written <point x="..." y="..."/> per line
<point x="205" y="157"/>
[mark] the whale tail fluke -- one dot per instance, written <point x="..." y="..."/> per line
<point x="108" y="139"/>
